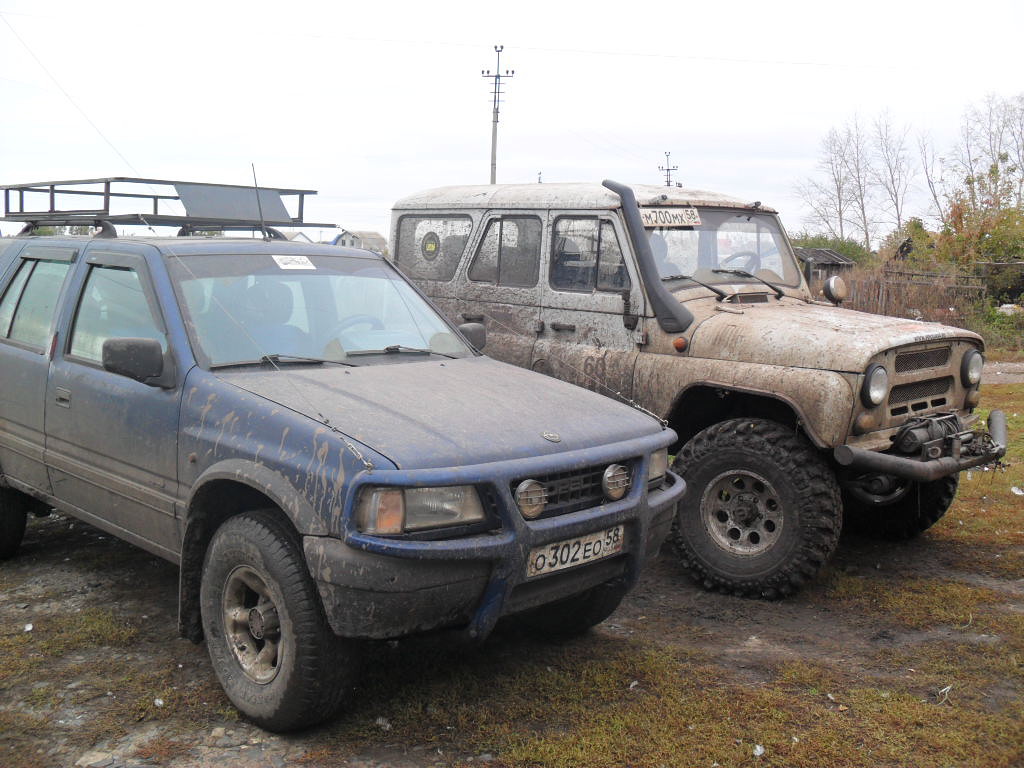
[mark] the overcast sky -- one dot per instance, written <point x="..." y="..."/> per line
<point x="370" y="101"/>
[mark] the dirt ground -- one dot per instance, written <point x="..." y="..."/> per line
<point x="1003" y="373"/>
<point x="94" y="674"/>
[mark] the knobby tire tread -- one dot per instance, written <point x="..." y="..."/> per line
<point x="814" y="481"/>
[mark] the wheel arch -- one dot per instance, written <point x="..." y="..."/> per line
<point x="703" y="403"/>
<point x="222" y="492"/>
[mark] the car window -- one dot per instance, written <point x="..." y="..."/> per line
<point x="586" y="255"/>
<point x="240" y="307"/>
<point x="113" y="306"/>
<point x="11" y="296"/>
<point x="431" y="247"/>
<point x="30" y="302"/>
<point x="509" y="253"/>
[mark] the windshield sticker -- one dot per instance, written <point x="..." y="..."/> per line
<point x="294" y="262"/>
<point x="670" y="217"/>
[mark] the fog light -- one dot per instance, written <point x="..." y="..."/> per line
<point x="615" y="482"/>
<point x="532" y="497"/>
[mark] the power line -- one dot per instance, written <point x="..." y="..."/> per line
<point x="67" y="95"/>
<point x="496" y="95"/>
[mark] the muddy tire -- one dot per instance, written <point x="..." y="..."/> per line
<point x="914" y="512"/>
<point x="265" y="628"/>
<point x="762" y="511"/>
<point x="14" y="508"/>
<point x="574" y="615"/>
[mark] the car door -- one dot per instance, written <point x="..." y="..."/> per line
<point x="592" y="306"/>
<point x="500" y="286"/>
<point x="28" y="308"/>
<point x="111" y="441"/>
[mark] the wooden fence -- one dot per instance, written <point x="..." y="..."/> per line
<point x="918" y="295"/>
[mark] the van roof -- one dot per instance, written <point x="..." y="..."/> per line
<point x="584" y="196"/>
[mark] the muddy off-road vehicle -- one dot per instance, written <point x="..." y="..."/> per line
<point x="793" y="415"/>
<point x="326" y="458"/>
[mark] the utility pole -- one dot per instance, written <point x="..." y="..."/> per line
<point x="498" y="74"/>
<point x="667" y="169"/>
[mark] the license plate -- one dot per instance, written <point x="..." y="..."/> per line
<point x="560" y="555"/>
<point x="670" y="217"/>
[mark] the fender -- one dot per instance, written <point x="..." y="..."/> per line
<point x="270" y="483"/>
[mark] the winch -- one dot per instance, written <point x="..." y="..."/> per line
<point x="929" y="436"/>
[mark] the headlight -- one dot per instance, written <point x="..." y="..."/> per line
<point x="970" y="368"/>
<point x="876" y="385"/>
<point x="657" y="468"/>
<point x="395" y="510"/>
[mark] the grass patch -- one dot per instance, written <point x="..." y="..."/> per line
<point x="911" y="602"/>
<point x="161" y="750"/>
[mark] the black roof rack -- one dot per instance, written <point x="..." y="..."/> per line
<point x="207" y="207"/>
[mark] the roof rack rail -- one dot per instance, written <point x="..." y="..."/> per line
<point x="208" y="207"/>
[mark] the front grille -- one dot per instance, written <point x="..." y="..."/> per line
<point x="916" y="390"/>
<point x="925" y="358"/>
<point x="570" y="491"/>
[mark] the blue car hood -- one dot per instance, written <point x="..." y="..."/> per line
<point x="429" y="414"/>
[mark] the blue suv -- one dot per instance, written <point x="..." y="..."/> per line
<point x="325" y="456"/>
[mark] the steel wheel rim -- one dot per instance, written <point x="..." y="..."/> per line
<point x="742" y="513"/>
<point x="251" y="624"/>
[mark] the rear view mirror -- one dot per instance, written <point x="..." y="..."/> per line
<point x="475" y="333"/>
<point x="139" y="359"/>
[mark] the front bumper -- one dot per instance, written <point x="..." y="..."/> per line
<point x="378" y="587"/>
<point x="927" y="470"/>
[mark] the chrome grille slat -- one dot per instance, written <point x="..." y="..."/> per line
<point x="924" y="358"/>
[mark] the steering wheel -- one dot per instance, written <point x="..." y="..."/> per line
<point x="334" y="348"/>
<point x="751" y="262"/>
<point x="345" y="323"/>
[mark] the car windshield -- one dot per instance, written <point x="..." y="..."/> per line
<point x="262" y="308"/>
<point x="725" y="240"/>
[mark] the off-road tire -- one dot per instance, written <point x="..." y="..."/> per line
<point x="804" y="495"/>
<point x="315" y="668"/>
<point x="14" y="508"/>
<point x="912" y="514"/>
<point x="573" y="615"/>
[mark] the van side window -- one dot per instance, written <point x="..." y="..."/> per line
<point x="112" y="306"/>
<point x="29" y="304"/>
<point x="586" y="255"/>
<point x="509" y="253"/>
<point x="431" y="247"/>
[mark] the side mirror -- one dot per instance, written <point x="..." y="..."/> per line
<point x="139" y="359"/>
<point x="835" y="290"/>
<point x="475" y="333"/>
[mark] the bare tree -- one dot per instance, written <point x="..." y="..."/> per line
<point x="1015" y="129"/>
<point x="829" y="198"/>
<point x="931" y="166"/>
<point x="893" y="170"/>
<point x="859" y="173"/>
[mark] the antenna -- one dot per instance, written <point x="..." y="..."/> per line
<point x="667" y="169"/>
<point x="259" y="205"/>
<point x="497" y="100"/>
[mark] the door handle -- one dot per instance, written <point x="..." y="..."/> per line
<point x="472" y="318"/>
<point x="563" y="326"/>
<point x="63" y="397"/>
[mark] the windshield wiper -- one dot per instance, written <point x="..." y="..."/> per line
<point x="743" y="273"/>
<point x="276" y="358"/>
<point x="720" y="293"/>
<point x="394" y="349"/>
